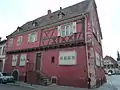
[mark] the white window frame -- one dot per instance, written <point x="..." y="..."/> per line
<point x="98" y="37"/>
<point x="98" y="59"/>
<point x="19" y="40"/>
<point x="67" y="58"/>
<point x="68" y="29"/>
<point x="23" y="60"/>
<point x="14" y="60"/>
<point x="30" y="37"/>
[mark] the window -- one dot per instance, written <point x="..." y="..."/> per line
<point x="67" y="29"/>
<point x="98" y="37"/>
<point x="67" y="58"/>
<point x="19" y="40"/>
<point x="23" y="58"/>
<point x="60" y="16"/>
<point x="116" y="65"/>
<point x="32" y="37"/>
<point x="34" y="24"/>
<point x="112" y="66"/>
<point x="3" y="53"/>
<point x="98" y="59"/>
<point x="52" y="59"/>
<point x="0" y="50"/>
<point x="104" y="66"/>
<point x="10" y="42"/>
<point x="61" y="58"/>
<point x="14" y="60"/>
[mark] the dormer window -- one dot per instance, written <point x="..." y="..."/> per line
<point x="18" y="28"/>
<point x="34" y="24"/>
<point x="60" y="13"/>
<point x="60" y="16"/>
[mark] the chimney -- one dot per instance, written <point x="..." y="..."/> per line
<point x="60" y="8"/>
<point x="49" y="12"/>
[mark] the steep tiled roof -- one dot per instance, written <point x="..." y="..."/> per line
<point x="69" y="12"/>
<point x="110" y="58"/>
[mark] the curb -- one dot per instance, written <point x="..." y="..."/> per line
<point x="26" y="86"/>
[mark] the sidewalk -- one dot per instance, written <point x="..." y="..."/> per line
<point x="106" y="86"/>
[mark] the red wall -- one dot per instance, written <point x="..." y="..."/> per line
<point x="67" y="75"/>
<point x="40" y="33"/>
<point x="93" y="18"/>
<point x="8" y="63"/>
<point x="25" y="43"/>
<point x="74" y="75"/>
<point x="22" y="69"/>
<point x="52" y="32"/>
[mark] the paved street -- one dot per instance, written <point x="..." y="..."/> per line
<point x="112" y="84"/>
<point x="114" y="80"/>
<point x="13" y="87"/>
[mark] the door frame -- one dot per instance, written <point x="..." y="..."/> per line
<point x="17" y="71"/>
<point x="40" y="60"/>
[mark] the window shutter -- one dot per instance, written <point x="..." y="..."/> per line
<point x="29" y="35"/>
<point x="14" y="60"/>
<point x="74" y="27"/>
<point x="36" y="36"/>
<point x="59" y="29"/>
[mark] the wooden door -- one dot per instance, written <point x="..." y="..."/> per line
<point x="38" y="62"/>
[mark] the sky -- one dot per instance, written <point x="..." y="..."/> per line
<point x="14" y="13"/>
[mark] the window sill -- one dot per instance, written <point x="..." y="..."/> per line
<point x="31" y="42"/>
<point x="22" y="66"/>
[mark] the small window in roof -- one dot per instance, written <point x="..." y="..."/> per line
<point x="18" y="28"/>
<point x="61" y="15"/>
<point x="34" y="24"/>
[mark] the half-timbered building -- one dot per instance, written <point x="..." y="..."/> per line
<point x="62" y="47"/>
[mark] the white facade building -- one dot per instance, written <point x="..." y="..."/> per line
<point x="2" y="55"/>
<point x="110" y="65"/>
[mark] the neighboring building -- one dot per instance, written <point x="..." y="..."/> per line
<point x="64" y="45"/>
<point x="118" y="61"/>
<point x="110" y="65"/>
<point x="2" y="54"/>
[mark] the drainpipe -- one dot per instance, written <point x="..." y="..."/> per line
<point x="86" y="48"/>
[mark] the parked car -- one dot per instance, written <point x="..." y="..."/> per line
<point x="5" y="78"/>
<point x="109" y="73"/>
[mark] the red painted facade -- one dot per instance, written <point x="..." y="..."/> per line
<point x="72" y="75"/>
<point x="66" y="74"/>
<point x="25" y="43"/>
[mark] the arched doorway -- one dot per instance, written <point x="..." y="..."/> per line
<point x="110" y="71"/>
<point x="15" y="74"/>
